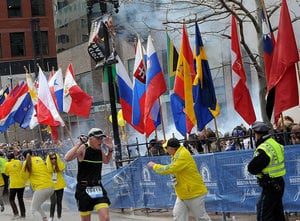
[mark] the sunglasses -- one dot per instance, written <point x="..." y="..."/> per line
<point x="54" y="158"/>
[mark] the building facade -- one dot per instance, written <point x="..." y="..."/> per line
<point x="27" y="38"/>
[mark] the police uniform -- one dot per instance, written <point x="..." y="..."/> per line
<point x="268" y="166"/>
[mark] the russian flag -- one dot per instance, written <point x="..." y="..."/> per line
<point x="125" y="93"/>
<point x="155" y="87"/>
<point x="56" y="86"/>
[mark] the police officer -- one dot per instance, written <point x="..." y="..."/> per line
<point x="268" y="165"/>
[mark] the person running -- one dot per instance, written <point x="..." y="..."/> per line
<point x="34" y="169"/>
<point x="56" y="167"/>
<point x="91" y="154"/>
<point x="187" y="181"/>
<point x="16" y="186"/>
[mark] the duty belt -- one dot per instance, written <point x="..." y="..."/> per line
<point x="89" y="183"/>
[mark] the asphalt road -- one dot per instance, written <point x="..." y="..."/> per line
<point x="128" y="214"/>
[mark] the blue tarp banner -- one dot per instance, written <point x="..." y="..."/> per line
<point x="231" y="187"/>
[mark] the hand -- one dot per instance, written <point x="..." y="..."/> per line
<point x="108" y="142"/>
<point x="150" y="164"/>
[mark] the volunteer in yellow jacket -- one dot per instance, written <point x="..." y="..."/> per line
<point x="34" y="169"/>
<point x="56" y="167"/>
<point x="187" y="181"/>
<point x="2" y="184"/>
<point x="16" y="185"/>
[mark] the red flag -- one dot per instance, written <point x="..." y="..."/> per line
<point x="46" y="112"/>
<point x="283" y="71"/>
<point x="242" y="100"/>
<point x="75" y="100"/>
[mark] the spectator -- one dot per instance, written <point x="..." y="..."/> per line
<point x="16" y="185"/>
<point x="155" y="148"/>
<point x="295" y="134"/>
<point x="34" y="169"/>
<point x="56" y="167"/>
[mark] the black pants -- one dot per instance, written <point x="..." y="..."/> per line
<point x="12" y="195"/>
<point x="56" y="199"/>
<point x="269" y="205"/>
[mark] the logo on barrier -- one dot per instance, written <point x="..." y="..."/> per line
<point x="247" y="182"/>
<point x="121" y="186"/>
<point x="295" y="180"/>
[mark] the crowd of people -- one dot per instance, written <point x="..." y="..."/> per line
<point x="45" y="178"/>
<point x="22" y="166"/>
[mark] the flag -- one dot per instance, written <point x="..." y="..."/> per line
<point x="105" y="87"/>
<point x="283" y="70"/>
<point x="25" y="111"/>
<point x="203" y="87"/>
<point x="34" y="98"/>
<point x="125" y="93"/>
<point x="241" y="96"/>
<point x="139" y="89"/>
<point x="96" y="45"/>
<point x="155" y="86"/>
<point x="172" y="57"/>
<point x="9" y="110"/>
<point x="182" y="103"/>
<point x="268" y="42"/>
<point x="75" y="100"/>
<point x="3" y="94"/>
<point x="56" y="86"/>
<point x="47" y="112"/>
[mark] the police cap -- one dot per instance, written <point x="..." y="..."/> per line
<point x="260" y="127"/>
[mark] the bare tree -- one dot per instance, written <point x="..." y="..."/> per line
<point x="248" y="14"/>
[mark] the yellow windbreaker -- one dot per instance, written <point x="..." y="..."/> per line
<point x="13" y="169"/>
<point x="189" y="183"/>
<point x="58" y="179"/>
<point x="39" y="177"/>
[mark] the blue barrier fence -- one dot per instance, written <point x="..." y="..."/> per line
<point x="231" y="187"/>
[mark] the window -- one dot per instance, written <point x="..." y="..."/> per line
<point x="17" y="44"/>
<point x="0" y="47"/>
<point x="41" y="41"/>
<point x="38" y="8"/>
<point x="130" y="66"/>
<point x="45" y="45"/>
<point x="14" y="8"/>
<point x="63" y="39"/>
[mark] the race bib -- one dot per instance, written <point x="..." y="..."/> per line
<point x="94" y="191"/>
<point x="54" y="177"/>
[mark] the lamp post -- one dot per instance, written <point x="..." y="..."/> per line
<point x="109" y="61"/>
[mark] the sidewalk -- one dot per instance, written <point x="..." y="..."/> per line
<point x="127" y="214"/>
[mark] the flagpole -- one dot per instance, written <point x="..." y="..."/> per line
<point x="162" y="120"/>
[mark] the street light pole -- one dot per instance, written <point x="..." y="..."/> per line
<point x="112" y="98"/>
<point x="109" y="61"/>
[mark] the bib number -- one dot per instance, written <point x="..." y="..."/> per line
<point x="94" y="191"/>
<point x="54" y="177"/>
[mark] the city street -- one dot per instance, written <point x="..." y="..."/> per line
<point x="127" y="214"/>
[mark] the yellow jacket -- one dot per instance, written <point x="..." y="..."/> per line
<point x="57" y="177"/>
<point x="39" y="177"/>
<point x="189" y="183"/>
<point x="13" y="169"/>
